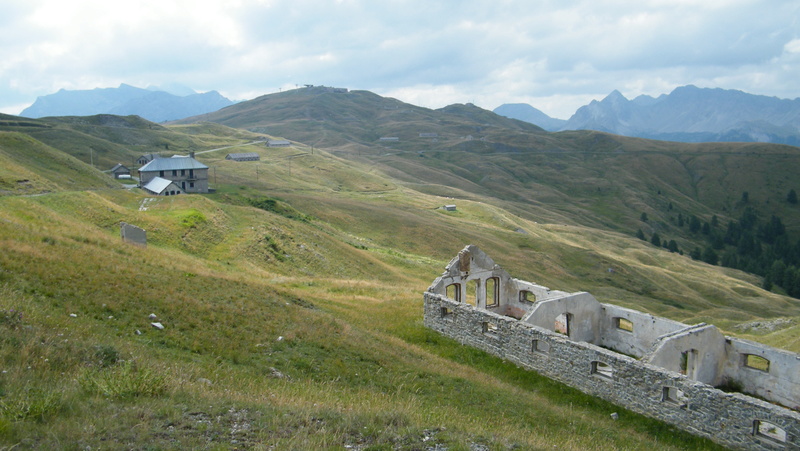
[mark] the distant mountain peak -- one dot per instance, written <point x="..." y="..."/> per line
<point x="155" y="105"/>
<point x="688" y="114"/>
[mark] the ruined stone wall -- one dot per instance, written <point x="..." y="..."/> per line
<point x="731" y="419"/>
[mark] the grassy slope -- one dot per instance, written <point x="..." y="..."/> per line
<point x="333" y="302"/>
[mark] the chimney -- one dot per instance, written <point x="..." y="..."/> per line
<point x="191" y="154"/>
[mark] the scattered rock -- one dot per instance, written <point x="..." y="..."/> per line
<point x="615" y="416"/>
<point x="72" y="315"/>
<point x="152" y="316"/>
<point x="765" y="326"/>
<point x="204" y="381"/>
<point x="277" y="374"/>
<point x="158" y="326"/>
<point x="138" y="332"/>
<point x="280" y="338"/>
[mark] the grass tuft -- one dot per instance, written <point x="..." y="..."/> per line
<point x="124" y="381"/>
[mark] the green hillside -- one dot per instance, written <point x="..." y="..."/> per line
<point x="291" y="296"/>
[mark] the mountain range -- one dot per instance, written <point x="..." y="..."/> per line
<point x="687" y="114"/>
<point x="154" y="104"/>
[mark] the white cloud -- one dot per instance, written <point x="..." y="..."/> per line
<point x="561" y="54"/>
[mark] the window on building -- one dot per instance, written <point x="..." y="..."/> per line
<point x="539" y="346"/>
<point x="527" y="296"/>
<point x="673" y="395"/>
<point x="446" y="312"/>
<point x="688" y="363"/>
<point x="183" y="172"/>
<point x="191" y="173"/>
<point x="562" y="323"/>
<point x="489" y="327"/>
<point x="769" y="431"/>
<point x="161" y="173"/>
<point x="756" y="362"/>
<point x="453" y="291"/>
<point x="623" y="324"/>
<point x="602" y="369"/>
<point x="174" y="172"/>
<point x="471" y="296"/>
<point x="492" y="292"/>
<point x="191" y="184"/>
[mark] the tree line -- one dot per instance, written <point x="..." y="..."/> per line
<point x="751" y="243"/>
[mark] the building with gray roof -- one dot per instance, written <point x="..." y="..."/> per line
<point x="248" y="156"/>
<point x="187" y="173"/>
<point x="162" y="187"/>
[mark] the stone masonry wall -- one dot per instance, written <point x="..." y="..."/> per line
<point x="730" y="419"/>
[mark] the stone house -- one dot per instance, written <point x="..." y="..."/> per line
<point x="189" y="175"/>
<point x="120" y="171"/>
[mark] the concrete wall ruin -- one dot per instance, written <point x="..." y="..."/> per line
<point x="132" y="234"/>
<point x="658" y="367"/>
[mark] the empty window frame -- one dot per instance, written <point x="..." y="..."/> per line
<point x="562" y="323"/>
<point x="623" y="324"/>
<point x="471" y="294"/>
<point x="540" y="347"/>
<point x="602" y="369"/>
<point x="489" y="327"/>
<point x="446" y="313"/>
<point x="453" y="291"/>
<point x="755" y="362"/>
<point x="492" y="292"/>
<point x="769" y="431"/>
<point x="688" y="364"/>
<point x="526" y="296"/>
<point x="673" y="395"/>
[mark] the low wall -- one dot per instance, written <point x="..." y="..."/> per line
<point x="730" y="419"/>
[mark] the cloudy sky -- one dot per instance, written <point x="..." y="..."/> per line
<point x="556" y="55"/>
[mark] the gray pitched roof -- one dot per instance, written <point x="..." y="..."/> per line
<point x="171" y="164"/>
<point x="234" y="156"/>
<point x="158" y="185"/>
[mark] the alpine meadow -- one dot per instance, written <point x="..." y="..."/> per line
<point x="289" y="298"/>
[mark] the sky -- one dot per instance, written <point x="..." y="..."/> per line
<point x="554" y="55"/>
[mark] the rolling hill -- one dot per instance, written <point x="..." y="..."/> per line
<point x="290" y="297"/>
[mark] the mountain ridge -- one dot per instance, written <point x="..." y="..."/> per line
<point x="689" y="114"/>
<point x="152" y="104"/>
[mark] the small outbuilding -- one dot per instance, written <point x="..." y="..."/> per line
<point x="144" y="159"/>
<point x="249" y="156"/>
<point x="278" y="143"/>
<point x="162" y="187"/>
<point x="121" y="172"/>
<point x="451" y="207"/>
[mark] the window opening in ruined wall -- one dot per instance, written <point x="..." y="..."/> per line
<point x="756" y="362"/>
<point x="540" y="347"/>
<point x="562" y="323"/>
<point x="471" y="295"/>
<point x="526" y="296"/>
<point x="453" y="291"/>
<point x="769" y="431"/>
<point x="492" y="292"/>
<point x="489" y="327"/>
<point x="447" y="313"/>
<point x="602" y="369"/>
<point x="689" y="363"/>
<point x="623" y="324"/>
<point x="673" y="395"/>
